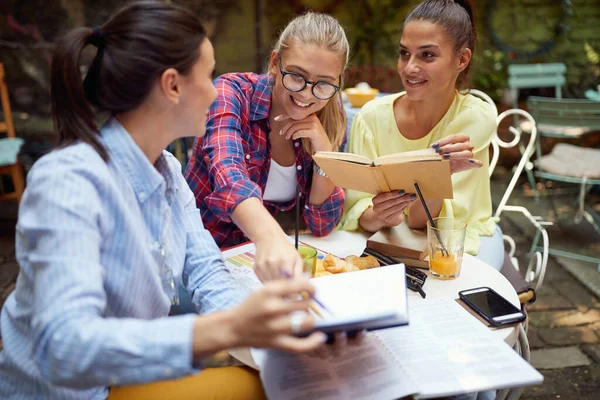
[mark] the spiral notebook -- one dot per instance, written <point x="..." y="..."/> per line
<point x="443" y="352"/>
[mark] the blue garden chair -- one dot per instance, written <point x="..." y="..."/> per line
<point x="534" y="76"/>
<point x="568" y="163"/>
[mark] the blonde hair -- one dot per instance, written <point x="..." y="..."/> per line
<point x="323" y="31"/>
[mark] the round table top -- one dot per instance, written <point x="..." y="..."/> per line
<point x="474" y="273"/>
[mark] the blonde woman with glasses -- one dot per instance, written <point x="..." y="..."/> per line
<point x="261" y="134"/>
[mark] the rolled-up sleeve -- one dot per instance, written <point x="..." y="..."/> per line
<point x="61" y="224"/>
<point x="322" y="219"/>
<point x="229" y="178"/>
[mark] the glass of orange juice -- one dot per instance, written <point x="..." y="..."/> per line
<point x="446" y="244"/>
<point x="309" y="259"/>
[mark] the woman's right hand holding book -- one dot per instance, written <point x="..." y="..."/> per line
<point x="271" y="315"/>
<point x="388" y="210"/>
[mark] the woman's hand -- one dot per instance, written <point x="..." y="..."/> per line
<point x="268" y="319"/>
<point x="274" y="254"/>
<point x="309" y="127"/>
<point x="459" y="150"/>
<point x="387" y="210"/>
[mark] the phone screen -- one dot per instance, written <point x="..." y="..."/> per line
<point x="490" y="303"/>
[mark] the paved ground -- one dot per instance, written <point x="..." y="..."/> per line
<point x="564" y="321"/>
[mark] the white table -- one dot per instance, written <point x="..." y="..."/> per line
<point x="474" y="273"/>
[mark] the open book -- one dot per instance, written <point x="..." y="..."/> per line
<point x="389" y="173"/>
<point x="443" y="352"/>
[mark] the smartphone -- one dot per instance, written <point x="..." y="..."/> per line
<point x="494" y="308"/>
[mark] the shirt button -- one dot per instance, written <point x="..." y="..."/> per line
<point x="299" y="167"/>
<point x="168" y="372"/>
<point x="114" y="380"/>
<point x="142" y="195"/>
<point x="247" y="156"/>
<point x="297" y="144"/>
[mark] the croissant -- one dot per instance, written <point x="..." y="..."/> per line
<point x="363" y="262"/>
<point x="333" y="264"/>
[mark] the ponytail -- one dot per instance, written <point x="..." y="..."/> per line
<point x="135" y="46"/>
<point x="71" y="110"/>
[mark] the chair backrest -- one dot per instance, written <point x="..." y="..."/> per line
<point x="495" y="139"/>
<point x="7" y="125"/>
<point x="526" y="154"/>
<point x="565" y="112"/>
<point x="537" y="76"/>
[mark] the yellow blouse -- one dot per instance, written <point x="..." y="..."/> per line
<point x="375" y="133"/>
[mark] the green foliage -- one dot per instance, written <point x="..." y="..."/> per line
<point x="490" y="72"/>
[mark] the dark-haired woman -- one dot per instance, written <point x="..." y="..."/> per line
<point x="107" y="226"/>
<point x="436" y="48"/>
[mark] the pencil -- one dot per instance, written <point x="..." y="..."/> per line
<point x="307" y="297"/>
<point x="312" y="306"/>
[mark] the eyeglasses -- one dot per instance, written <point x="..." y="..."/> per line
<point x="296" y="83"/>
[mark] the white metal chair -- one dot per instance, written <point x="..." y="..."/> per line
<point x="536" y="269"/>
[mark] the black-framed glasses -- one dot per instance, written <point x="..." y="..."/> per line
<point x="296" y="83"/>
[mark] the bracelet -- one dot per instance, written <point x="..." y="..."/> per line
<point x="317" y="170"/>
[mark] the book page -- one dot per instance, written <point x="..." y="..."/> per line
<point x="416" y="155"/>
<point x="447" y="351"/>
<point x="349" y="157"/>
<point x="364" y="294"/>
<point x="362" y="372"/>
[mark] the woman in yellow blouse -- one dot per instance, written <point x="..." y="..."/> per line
<point x="436" y="48"/>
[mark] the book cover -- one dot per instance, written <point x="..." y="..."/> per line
<point x="400" y="241"/>
<point x="390" y="172"/>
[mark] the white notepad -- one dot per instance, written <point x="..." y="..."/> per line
<point x="370" y="299"/>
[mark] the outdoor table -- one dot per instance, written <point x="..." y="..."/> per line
<point x="474" y="273"/>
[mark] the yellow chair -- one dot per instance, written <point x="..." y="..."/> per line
<point x="9" y="146"/>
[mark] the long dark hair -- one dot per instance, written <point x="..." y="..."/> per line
<point x="456" y="17"/>
<point x="135" y="46"/>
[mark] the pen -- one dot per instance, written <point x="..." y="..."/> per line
<point x="307" y="297"/>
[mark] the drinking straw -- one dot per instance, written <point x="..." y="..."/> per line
<point x="435" y="230"/>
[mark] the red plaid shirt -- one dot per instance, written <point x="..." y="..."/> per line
<point x="231" y="162"/>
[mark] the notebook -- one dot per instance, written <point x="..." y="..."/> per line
<point x="369" y="299"/>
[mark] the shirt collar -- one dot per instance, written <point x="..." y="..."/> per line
<point x="261" y="98"/>
<point x="131" y="161"/>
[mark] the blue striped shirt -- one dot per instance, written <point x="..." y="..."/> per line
<point x="89" y="309"/>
